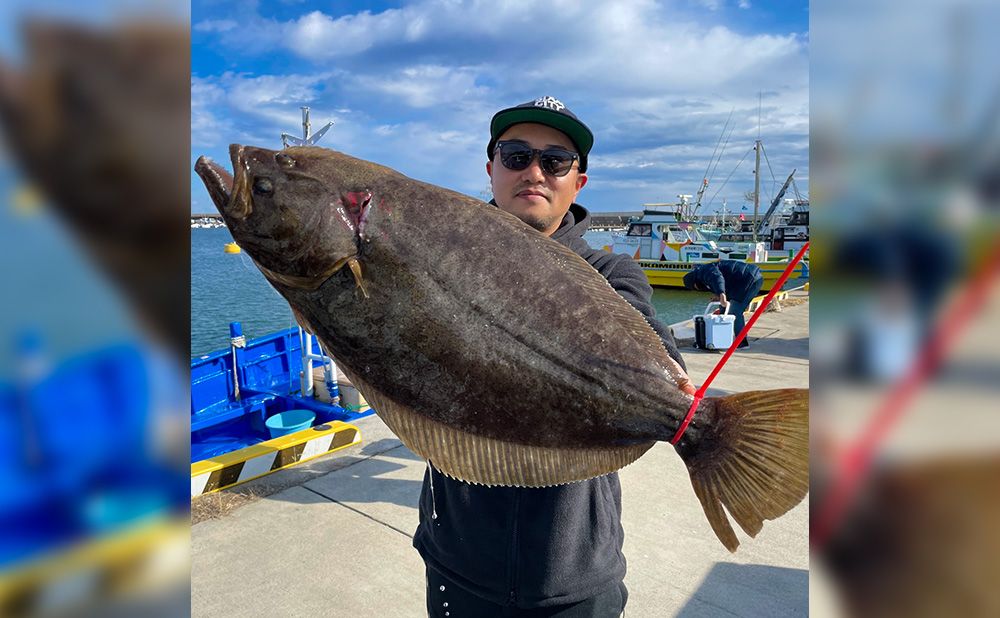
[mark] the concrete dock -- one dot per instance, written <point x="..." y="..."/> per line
<point x="332" y="537"/>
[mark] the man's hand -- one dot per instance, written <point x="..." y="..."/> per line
<point x="721" y="299"/>
<point x="679" y="376"/>
<point x="725" y="302"/>
<point x="684" y="381"/>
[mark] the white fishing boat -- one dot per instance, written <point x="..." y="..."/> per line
<point x="667" y="248"/>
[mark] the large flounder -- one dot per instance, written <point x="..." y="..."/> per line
<point x="489" y="349"/>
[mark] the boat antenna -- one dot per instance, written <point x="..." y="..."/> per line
<point x="307" y="139"/>
<point x="756" y="170"/>
<point x="759" y="103"/>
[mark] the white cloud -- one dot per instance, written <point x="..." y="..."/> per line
<point x="206" y="126"/>
<point x="255" y="109"/>
<point x="216" y="25"/>
<point x="250" y="93"/>
<point x="317" y="35"/>
<point x="424" y="85"/>
<point x="626" y="48"/>
<point x="414" y="87"/>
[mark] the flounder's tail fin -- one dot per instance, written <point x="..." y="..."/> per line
<point x="749" y="453"/>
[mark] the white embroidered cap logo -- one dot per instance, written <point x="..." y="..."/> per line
<point x="550" y="103"/>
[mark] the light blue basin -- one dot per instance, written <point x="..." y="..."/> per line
<point x="284" y="423"/>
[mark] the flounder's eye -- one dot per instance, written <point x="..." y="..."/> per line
<point x="284" y="160"/>
<point x="263" y="186"/>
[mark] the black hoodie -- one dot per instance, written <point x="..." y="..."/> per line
<point x="528" y="547"/>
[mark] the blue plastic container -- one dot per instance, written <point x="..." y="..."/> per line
<point x="284" y="423"/>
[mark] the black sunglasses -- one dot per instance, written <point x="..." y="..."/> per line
<point x="517" y="156"/>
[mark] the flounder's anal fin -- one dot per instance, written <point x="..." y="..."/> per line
<point x="487" y="461"/>
<point x="751" y="456"/>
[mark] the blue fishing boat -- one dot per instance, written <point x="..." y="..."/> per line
<point x="265" y="404"/>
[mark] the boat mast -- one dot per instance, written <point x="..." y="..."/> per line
<point x="756" y="188"/>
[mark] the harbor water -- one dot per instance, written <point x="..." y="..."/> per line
<point x="227" y="287"/>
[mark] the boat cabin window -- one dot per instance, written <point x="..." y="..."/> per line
<point x="678" y="233"/>
<point x="640" y="229"/>
<point x="799" y="218"/>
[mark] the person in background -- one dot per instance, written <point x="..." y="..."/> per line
<point x="513" y="551"/>
<point x="733" y="283"/>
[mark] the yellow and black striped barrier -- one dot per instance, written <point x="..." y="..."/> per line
<point x="255" y="461"/>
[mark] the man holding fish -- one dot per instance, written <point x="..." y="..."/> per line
<point x="560" y="548"/>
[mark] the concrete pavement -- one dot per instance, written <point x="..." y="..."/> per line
<point x="337" y="540"/>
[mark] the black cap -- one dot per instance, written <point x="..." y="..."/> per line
<point x="548" y="111"/>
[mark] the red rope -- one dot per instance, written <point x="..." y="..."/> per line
<point x="743" y="333"/>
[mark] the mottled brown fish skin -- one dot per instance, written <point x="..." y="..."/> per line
<point x="470" y="318"/>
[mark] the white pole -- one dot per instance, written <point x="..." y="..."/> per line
<point x="307" y="358"/>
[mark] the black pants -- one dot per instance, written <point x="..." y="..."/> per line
<point x="446" y="599"/>
<point x="739" y="307"/>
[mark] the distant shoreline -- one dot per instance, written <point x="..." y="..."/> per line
<point x="207" y="221"/>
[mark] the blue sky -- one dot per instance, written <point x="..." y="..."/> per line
<point x="413" y="85"/>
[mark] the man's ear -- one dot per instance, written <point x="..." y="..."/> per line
<point x="489" y="169"/>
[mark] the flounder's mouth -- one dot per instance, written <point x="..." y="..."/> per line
<point x="218" y="181"/>
<point x="230" y="193"/>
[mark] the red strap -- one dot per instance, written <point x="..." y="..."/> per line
<point x="743" y="333"/>
<point x="690" y="415"/>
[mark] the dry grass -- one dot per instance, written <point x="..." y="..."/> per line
<point x="221" y="503"/>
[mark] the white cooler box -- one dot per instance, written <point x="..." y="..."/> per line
<point x="714" y="332"/>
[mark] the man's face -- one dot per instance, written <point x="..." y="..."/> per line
<point x="539" y="199"/>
